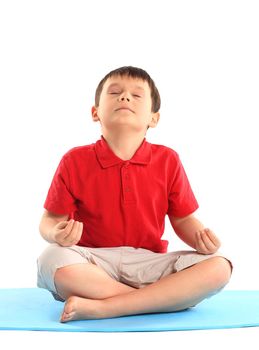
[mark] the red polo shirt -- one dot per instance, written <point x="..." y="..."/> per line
<point x="121" y="203"/>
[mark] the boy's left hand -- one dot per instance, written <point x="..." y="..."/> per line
<point x="206" y="241"/>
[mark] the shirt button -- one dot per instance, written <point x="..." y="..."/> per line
<point x="127" y="189"/>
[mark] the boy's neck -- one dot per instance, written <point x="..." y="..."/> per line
<point x="123" y="146"/>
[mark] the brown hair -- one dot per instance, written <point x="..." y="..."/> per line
<point x="132" y="72"/>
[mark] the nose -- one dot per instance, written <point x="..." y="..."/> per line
<point x="124" y="97"/>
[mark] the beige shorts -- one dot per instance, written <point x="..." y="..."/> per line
<point x="131" y="266"/>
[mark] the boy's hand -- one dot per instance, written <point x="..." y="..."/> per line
<point x="67" y="233"/>
<point x="206" y="242"/>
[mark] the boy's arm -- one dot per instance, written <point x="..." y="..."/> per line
<point x="192" y="232"/>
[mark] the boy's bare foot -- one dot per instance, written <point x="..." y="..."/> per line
<point x="77" y="308"/>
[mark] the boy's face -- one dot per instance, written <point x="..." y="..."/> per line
<point x="125" y="102"/>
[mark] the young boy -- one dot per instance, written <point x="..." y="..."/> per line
<point x="105" y="211"/>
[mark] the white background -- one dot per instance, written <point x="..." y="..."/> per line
<point x="203" y="57"/>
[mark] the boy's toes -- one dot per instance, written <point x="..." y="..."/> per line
<point x="69" y="310"/>
<point x="67" y="317"/>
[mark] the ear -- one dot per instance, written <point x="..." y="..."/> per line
<point x="154" y="120"/>
<point x="94" y="111"/>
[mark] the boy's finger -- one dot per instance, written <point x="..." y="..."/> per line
<point x="200" y="244"/>
<point x="62" y="224"/>
<point x="69" y="228"/>
<point x="72" y="237"/>
<point x="207" y="242"/>
<point x="213" y="237"/>
<point x="79" y="232"/>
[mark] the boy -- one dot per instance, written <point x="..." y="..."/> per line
<point x="104" y="216"/>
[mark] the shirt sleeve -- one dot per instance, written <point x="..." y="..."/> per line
<point x="59" y="199"/>
<point x="181" y="201"/>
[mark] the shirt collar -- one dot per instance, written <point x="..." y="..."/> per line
<point x="107" y="158"/>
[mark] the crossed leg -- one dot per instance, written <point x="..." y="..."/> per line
<point x="87" y="281"/>
<point x="97" y="295"/>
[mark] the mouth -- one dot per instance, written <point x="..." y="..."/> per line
<point x="124" y="109"/>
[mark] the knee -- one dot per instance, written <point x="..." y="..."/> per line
<point x="221" y="271"/>
<point x="66" y="274"/>
<point x="63" y="274"/>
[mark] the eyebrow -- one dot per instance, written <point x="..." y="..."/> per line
<point x="135" y="87"/>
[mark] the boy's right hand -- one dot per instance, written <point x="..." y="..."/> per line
<point x="67" y="233"/>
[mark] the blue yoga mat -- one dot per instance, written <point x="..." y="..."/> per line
<point x="35" y="309"/>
